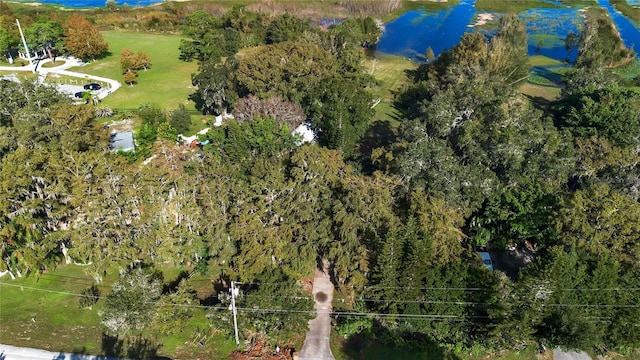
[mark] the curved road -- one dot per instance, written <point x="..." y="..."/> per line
<point x="62" y="70"/>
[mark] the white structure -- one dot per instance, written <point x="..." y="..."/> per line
<point x="122" y="141"/>
<point x="24" y="42"/>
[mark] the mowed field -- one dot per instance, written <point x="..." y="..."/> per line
<point x="41" y="311"/>
<point x="166" y="84"/>
<point x="390" y="73"/>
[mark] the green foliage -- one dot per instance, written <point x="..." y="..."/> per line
<point x="47" y="35"/>
<point x="599" y="220"/>
<point x="129" y="307"/>
<point x="175" y="309"/>
<point x="89" y="297"/>
<point x="516" y="215"/>
<point x="341" y="111"/>
<point x="611" y="113"/>
<point x="180" y="119"/>
<point x="580" y="298"/>
<point x="263" y="72"/>
<point x="241" y="143"/>
<point x="283" y="309"/>
<point x="286" y="28"/>
<point x="216" y="90"/>
<point x="212" y="38"/>
<point x="600" y="44"/>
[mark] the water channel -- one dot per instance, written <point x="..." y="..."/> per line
<point x="414" y="31"/>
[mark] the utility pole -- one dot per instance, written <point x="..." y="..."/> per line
<point x="24" y="42"/>
<point x="233" y="310"/>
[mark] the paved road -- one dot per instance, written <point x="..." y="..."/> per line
<point x="62" y="70"/>
<point x="316" y="344"/>
<point x="8" y="352"/>
<point x="558" y="354"/>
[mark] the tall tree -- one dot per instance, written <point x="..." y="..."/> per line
<point x="83" y="39"/>
<point x="48" y="35"/>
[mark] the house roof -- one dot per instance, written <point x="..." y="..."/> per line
<point x="122" y="141"/>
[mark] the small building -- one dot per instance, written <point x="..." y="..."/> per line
<point x="122" y="141"/>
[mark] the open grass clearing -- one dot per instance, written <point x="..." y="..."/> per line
<point x="166" y="84"/>
<point x="390" y="73"/>
<point x="548" y="93"/>
<point x="41" y="311"/>
<point x="541" y="60"/>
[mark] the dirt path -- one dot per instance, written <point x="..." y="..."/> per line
<point x="316" y="344"/>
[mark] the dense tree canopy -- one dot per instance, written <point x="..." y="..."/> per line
<point x="471" y="162"/>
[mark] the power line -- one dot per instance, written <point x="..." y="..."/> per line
<point x="313" y="311"/>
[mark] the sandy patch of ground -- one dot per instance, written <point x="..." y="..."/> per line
<point x="483" y="19"/>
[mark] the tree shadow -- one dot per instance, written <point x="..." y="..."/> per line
<point x="133" y="347"/>
<point x="173" y="285"/>
<point x="379" y="343"/>
<point x="141" y="347"/>
<point x="112" y="345"/>
<point x="198" y="101"/>
<point x="380" y="134"/>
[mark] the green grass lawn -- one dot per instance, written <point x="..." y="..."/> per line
<point x="42" y="312"/>
<point x="53" y="64"/>
<point x="166" y="84"/>
<point x="390" y="73"/>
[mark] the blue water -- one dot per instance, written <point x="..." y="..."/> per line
<point x="628" y="31"/>
<point x="541" y="23"/>
<point x="414" y="31"/>
<point x="97" y="3"/>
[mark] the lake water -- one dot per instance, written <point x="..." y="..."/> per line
<point x="414" y="31"/>
<point x="96" y="3"/>
<point x="628" y="31"/>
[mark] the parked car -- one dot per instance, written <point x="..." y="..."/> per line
<point x="92" y="86"/>
<point x="79" y="94"/>
<point x="486" y="259"/>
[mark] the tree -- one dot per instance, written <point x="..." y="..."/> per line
<point x="289" y="70"/>
<point x="286" y="27"/>
<point x="210" y="39"/>
<point x="48" y="35"/>
<point x="143" y="61"/>
<point x="340" y="110"/>
<point x="130" y="63"/>
<point x="216" y="90"/>
<point x="285" y="112"/>
<point x="83" y="39"/>
<point x="180" y="119"/>
<point x="611" y="112"/>
<point x="599" y="220"/>
<point x="173" y="310"/>
<point x="111" y="5"/>
<point x="130" y="77"/>
<point x="129" y="307"/>
<point x="127" y="61"/>
<point x="429" y="54"/>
